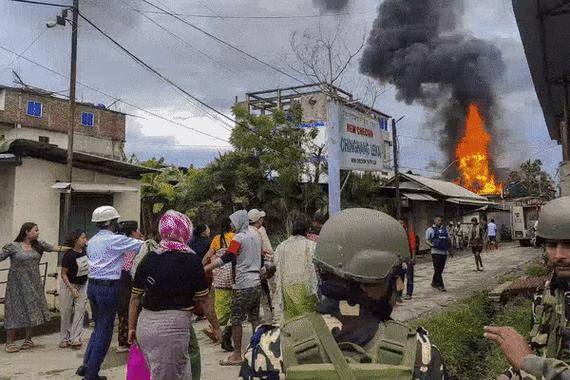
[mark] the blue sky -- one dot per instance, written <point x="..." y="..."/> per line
<point x="217" y="75"/>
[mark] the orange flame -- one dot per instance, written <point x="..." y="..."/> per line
<point x="472" y="153"/>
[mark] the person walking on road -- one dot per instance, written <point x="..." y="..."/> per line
<point x="106" y="251"/>
<point x="128" y="228"/>
<point x="411" y="262"/>
<point x="476" y="241"/>
<point x="245" y="250"/>
<point x="170" y="284"/>
<point x="437" y="238"/>
<point x="256" y="220"/>
<point x="73" y="290"/>
<point x="492" y="234"/>
<point x="25" y="302"/>
<point x="296" y="277"/>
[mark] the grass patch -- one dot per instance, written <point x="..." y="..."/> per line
<point x="518" y="315"/>
<point x="536" y="270"/>
<point x="458" y="333"/>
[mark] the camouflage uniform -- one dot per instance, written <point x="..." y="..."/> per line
<point x="349" y="254"/>
<point x="550" y="334"/>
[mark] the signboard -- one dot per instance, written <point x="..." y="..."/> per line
<point x="362" y="141"/>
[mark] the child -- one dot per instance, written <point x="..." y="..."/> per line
<point x="73" y="289"/>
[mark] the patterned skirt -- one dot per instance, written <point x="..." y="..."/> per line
<point x="163" y="337"/>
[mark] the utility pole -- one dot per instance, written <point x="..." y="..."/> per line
<point x="396" y="169"/>
<point x="71" y="126"/>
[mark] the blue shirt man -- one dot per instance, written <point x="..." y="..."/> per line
<point x="437" y="238"/>
<point x="105" y="253"/>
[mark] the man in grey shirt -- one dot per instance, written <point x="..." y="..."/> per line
<point x="245" y="251"/>
<point x="437" y="237"/>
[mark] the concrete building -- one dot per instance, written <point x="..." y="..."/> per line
<point x="33" y="175"/>
<point x="424" y="198"/>
<point x="40" y="116"/>
<point x="365" y="134"/>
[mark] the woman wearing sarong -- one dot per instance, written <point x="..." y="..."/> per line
<point x="26" y="305"/>
<point x="173" y="282"/>
<point x="296" y="279"/>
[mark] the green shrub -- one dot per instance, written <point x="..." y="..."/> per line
<point x="536" y="270"/>
<point x="458" y="333"/>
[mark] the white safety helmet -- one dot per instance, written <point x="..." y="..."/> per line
<point x="105" y="214"/>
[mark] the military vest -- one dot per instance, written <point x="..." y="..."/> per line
<point x="550" y="334"/>
<point x="304" y="348"/>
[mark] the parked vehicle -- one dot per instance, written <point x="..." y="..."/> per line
<point x="524" y="215"/>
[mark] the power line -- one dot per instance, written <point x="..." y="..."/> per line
<point x="155" y="72"/>
<point x="173" y="84"/>
<point x="224" y="42"/>
<point x="260" y="17"/>
<point x="18" y="55"/>
<point x="185" y="42"/>
<point x="115" y="98"/>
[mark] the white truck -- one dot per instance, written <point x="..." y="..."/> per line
<point x="524" y="217"/>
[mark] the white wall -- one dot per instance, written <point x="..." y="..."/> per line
<point x="34" y="200"/>
<point x="6" y="203"/>
<point x="81" y="143"/>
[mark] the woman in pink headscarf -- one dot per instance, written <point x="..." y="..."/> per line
<point x="172" y="280"/>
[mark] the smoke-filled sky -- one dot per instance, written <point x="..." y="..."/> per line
<point x="217" y="74"/>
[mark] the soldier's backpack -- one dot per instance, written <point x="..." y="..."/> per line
<point x="304" y="348"/>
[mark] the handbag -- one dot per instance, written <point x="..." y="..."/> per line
<point x="223" y="276"/>
<point x="136" y="365"/>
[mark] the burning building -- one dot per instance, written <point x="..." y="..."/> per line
<point x="421" y="49"/>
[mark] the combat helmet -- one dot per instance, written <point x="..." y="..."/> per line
<point x="554" y="220"/>
<point x="361" y="244"/>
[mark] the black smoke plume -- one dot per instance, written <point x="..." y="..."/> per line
<point x="330" y="5"/>
<point x="419" y="47"/>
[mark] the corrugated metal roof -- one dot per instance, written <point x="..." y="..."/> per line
<point x="464" y="201"/>
<point x="50" y="152"/>
<point x="444" y="188"/>
<point x="89" y="187"/>
<point x="419" y="197"/>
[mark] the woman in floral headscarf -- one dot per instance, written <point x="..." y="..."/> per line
<point x="173" y="282"/>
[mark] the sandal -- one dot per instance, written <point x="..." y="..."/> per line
<point x="64" y="344"/>
<point x="12" y="348"/>
<point x="28" y="344"/>
<point x="229" y="363"/>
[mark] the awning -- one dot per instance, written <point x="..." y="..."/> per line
<point x="473" y="202"/>
<point x="419" y="197"/>
<point x="86" y="187"/>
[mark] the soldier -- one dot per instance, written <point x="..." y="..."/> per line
<point x="358" y="256"/>
<point x="549" y="352"/>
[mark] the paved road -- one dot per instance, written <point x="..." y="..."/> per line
<point x="49" y="362"/>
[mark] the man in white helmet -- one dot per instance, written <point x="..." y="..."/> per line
<point x="105" y="252"/>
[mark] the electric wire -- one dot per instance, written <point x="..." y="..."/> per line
<point x="225" y="43"/>
<point x="18" y="55"/>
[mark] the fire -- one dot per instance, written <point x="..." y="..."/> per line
<point x="472" y="153"/>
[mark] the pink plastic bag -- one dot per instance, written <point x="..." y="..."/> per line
<point x="136" y="366"/>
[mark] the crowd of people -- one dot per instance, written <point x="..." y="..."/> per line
<point x="145" y="286"/>
<point x="156" y="290"/>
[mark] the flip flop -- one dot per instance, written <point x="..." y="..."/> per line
<point x="28" y="344"/>
<point x="12" y="348"/>
<point x="228" y="363"/>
